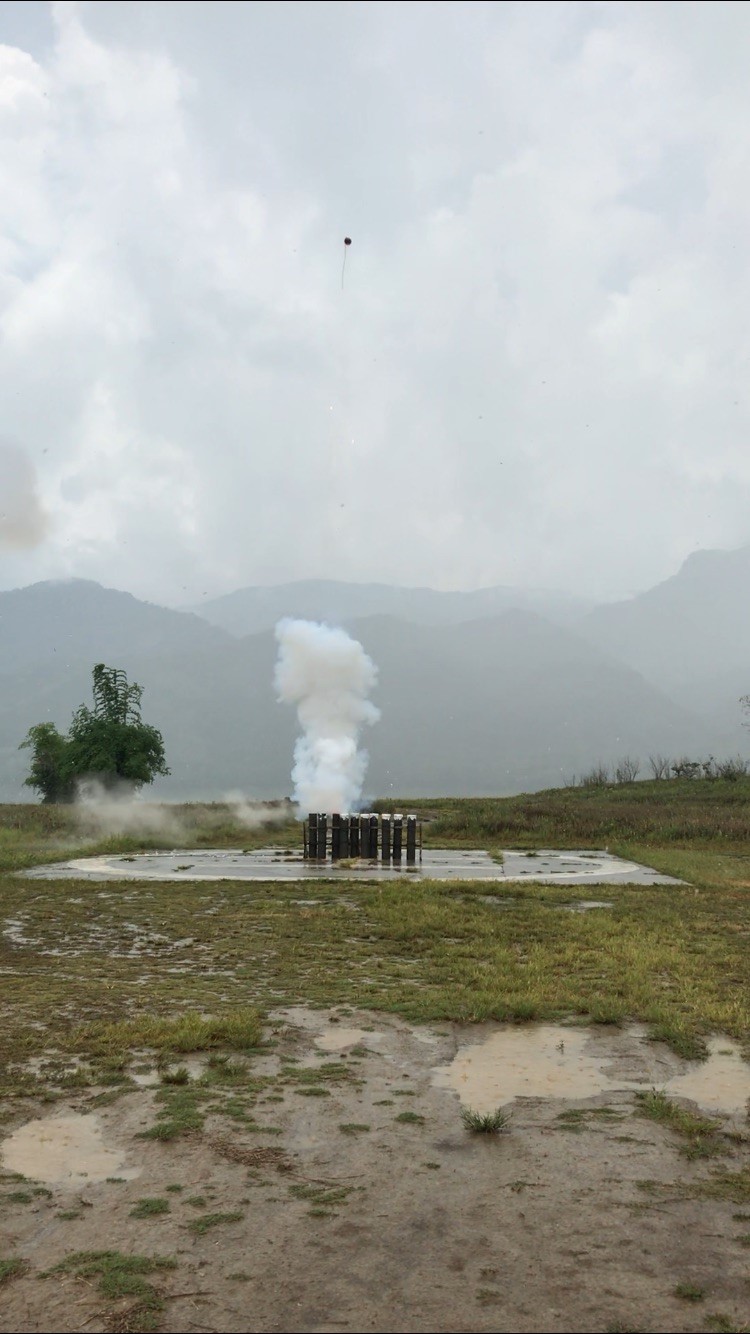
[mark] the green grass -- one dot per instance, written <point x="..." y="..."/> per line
<point x="710" y="814"/>
<point x="179" y="1076"/>
<point x="699" y="1134"/>
<point x="485" y="1123"/>
<point x="410" y="1118"/>
<point x="187" y="1033"/>
<point x="353" y="1128"/>
<point x="724" y="1324"/>
<point x="12" y="1268"/>
<point x="121" y="1276"/>
<point x="321" y="1198"/>
<point x="180" y="1114"/>
<point x="208" y="1221"/>
<point x="150" y="1208"/>
<point x="672" y="958"/>
<point x="688" y="1292"/>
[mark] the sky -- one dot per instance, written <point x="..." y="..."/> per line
<point x="536" y="371"/>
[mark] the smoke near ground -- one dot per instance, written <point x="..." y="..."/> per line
<point x="23" y="522"/>
<point x="256" y="814"/>
<point x="329" y="677"/>
<point x="118" y="810"/>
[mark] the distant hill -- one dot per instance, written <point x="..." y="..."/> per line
<point x="689" y="636"/>
<point x="251" y="610"/>
<point x="497" y="704"/>
<point x="505" y="705"/>
<point x="77" y="620"/>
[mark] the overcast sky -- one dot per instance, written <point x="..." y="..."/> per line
<point x="537" y="371"/>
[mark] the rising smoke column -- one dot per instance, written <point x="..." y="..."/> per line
<point x="328" y="675"/>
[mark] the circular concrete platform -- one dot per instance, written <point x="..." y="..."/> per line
<point x="547" y="866"/>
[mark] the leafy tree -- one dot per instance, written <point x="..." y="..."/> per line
<point x="110" y="743"/>
<point x="49" y="772"/>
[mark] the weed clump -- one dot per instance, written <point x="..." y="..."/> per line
<point x="11" y="1269"/>
<point x="485" y="1123"/>
<point x="689" y="1292"/>
<point x="204" y="1224"/>
<point x="150" y="1208"/>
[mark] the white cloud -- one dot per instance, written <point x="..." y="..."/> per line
<point x="537" y="370"/>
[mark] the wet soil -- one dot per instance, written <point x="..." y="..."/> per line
<point x="375" y="1209"/>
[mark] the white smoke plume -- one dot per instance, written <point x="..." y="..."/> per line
<point x="120" y="810"/>
<point x="23" y="522"/>
<point x="257" y="814"/>
<point x="328" y="675"/>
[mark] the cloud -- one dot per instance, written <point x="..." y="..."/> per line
<point x="537" y="371"/>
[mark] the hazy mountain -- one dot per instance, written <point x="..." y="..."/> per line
<point x="506" y="704"/>
<point x="251" y="610"/>
<point x="692" y="625"/>
<point x="497" y="704"/>
<point x="76" y="619"/>
<point x="690" y="635"/>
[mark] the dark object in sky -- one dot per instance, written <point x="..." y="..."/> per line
<point x="347" y="240"/>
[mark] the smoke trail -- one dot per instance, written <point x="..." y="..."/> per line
<point x="23" y="522"/>
<point x="328" y="675"/>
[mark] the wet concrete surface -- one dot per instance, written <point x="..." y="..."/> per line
<point x="547" y="866"/>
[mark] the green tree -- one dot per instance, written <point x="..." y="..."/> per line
<point x="49" y="770"/>
<point x="109" y="743"/>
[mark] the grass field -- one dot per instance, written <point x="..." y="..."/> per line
<point x="88" y="967"/>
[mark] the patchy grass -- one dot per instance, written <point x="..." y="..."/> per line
<point x="354" y="1128"/>
<point x="485" y="1123"/>
<point x="179" y="1076"/>
<point x="673" y="958"/>
<point x="180" y="1114"/>
<point x="699" y="1134"/>
<point x="410" y="1118"/>
<point x="733" y="1186"/>
<point x="688" y="1292"/>
<point x="187" y="1033"/>
<point x="121" y="1276"/>
<point x="321" y="1198"/>
<point x="724" y="1324"/>
<point x="208" y="1221"/>
<point x="150" y="1208"/>
<point x="12" y="1268"/>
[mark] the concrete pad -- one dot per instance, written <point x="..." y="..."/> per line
<point x="547" y="866"/>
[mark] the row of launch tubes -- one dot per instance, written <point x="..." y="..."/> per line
<point x="371" y="836"/>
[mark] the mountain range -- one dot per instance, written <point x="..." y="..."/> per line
<point x="492" y="691"/>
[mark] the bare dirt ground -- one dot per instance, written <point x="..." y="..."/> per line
<point x="353" y="1197"/>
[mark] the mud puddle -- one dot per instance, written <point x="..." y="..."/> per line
<point x="64" y="1150"/>
<point x="340" y="1038"/>
<point x="552" y="1061"/>
<point x="720" y="1084"/>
